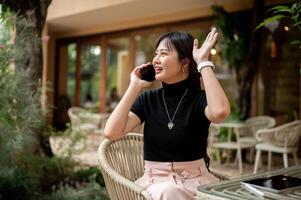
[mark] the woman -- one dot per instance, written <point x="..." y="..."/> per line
<point x="177" y="116"/>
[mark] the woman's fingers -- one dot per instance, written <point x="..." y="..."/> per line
<point x="215" y="38"/>
<point x="203" y="52"/>
<point x="195" y="44"/>
<point x="207" y="37"/>
<point x="212" y="32"/>
<point x="146" y="64"/>
<point x="139" y="67"/>
<point x="212" y="39"/>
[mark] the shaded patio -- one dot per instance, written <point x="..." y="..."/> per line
<point x="88" y="156"/>
<point x="85" y="62"/>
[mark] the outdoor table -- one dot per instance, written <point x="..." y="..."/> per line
<point x="231" y="126"/>
<point x="232" y="189"/>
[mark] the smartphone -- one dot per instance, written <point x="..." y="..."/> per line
<point x="148" y="73"/>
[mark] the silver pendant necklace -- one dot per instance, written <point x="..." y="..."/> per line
<point x="170" y="123"/>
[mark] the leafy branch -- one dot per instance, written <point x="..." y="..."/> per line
<point x="292" y="13"/>
<point x="235" y="35"/>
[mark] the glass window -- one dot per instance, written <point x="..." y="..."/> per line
<point x="71" y="72"/>
<point x="89" y="84"/>
<point x="145" y="48"/>
<point x="118" y="70"/>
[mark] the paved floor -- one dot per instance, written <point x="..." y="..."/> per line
<point x="232" y="169"/>
<point x="87" y="155"/>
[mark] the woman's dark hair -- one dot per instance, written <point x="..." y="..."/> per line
<point x="182" y="42"/>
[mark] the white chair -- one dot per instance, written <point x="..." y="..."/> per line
<point x="229" y="144"/>
<point x="121" y="163"/>
<point x="248" y="134"/>
<point x="281" y="139"/>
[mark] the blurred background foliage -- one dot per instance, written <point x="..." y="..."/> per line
<point x="292" y="13"/>
<point x="25" y="172"/>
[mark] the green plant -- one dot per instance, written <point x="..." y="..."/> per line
<point x="69" y="141"/>
<point x="83" y="184"/>
<point x="20" y="112"/>
<point x="25" y="172"/>
<point x="235" y="32"/>
<point x="235" y="115"/>
<point x="83" y="175"/>
<point x="278" y="13"/>
<point x="91" y="191"/>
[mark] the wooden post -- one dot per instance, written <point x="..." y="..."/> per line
<point x="132" y="49"/>
<point x="63" y="67"/>
<point x="103" y="74"/>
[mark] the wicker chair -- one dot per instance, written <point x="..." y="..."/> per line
<point x="281" y="139"/>
<point x="254" y="124"/>
<point x="88" y="122"/>
<point x="121" y="163"/>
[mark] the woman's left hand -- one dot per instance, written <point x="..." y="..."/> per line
<point x="202" y="54"/>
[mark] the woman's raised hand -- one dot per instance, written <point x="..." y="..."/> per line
<point x="136" y="77"/>
<point x="202" y="53"/>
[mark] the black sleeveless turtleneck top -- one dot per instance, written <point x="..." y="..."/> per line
<point x="187" y="140"/>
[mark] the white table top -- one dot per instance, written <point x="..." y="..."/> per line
<point x="230" y="124"/>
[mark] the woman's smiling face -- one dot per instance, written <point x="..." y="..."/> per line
<point x="166" y="62"/>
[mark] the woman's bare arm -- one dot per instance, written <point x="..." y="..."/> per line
<point x="122" y="121"/>
<point x="218" y="108"/>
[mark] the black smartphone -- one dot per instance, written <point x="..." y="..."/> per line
<point x="148" y="73"/>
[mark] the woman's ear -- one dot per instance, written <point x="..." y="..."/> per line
<point x="185" y="62"/>
<point x="185" y="65"/>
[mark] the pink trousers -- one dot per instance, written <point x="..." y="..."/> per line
<point x="175" y="180"/>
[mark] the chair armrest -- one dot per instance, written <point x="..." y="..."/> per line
<point x="118" y="186"/>
<point x="260" y="132"/>
<point x="270" y="134"/>
<point x="221" y="176"/>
